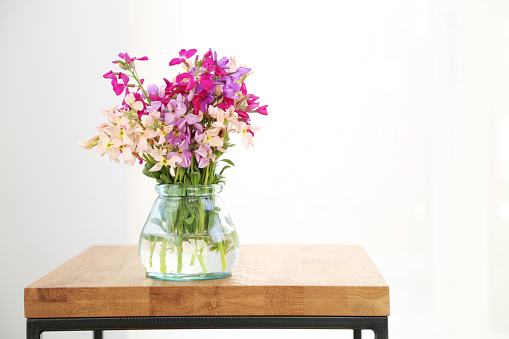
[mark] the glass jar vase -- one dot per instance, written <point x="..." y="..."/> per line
<point x="188" y="235"/>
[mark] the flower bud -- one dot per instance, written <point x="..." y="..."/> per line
<point x="123" y="65"/>
<point x="85" y="144"/>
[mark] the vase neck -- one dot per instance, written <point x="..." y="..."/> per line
<point x="188" y="190"/>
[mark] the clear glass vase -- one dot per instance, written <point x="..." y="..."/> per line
<point x="188" y="235"/>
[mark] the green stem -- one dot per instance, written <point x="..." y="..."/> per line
<point x="201" y="212"/>
<point x="206" y="175"/>
<point x="176" y="175"/>
<point x="162" y="255"/>
<point x="223" y="259"/>
<point x="202" y="263"/>
<point x="179" y="258"/>
<point x="135" y="76"/>
<point x="151" y="158"/>
<point x="193" y="258"/>
<point x="152" y="247"/>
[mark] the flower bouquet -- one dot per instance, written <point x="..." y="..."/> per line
<point x="179" y="132"/>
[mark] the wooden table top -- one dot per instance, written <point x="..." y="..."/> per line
<point x="269" y="280"/>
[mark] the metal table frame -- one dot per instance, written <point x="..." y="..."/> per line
<point x="379" y="325"/>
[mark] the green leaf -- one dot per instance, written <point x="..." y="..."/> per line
<point x="178" y="240"/>
<point x="187" y="181"/>
<point x="222" y="170"/>
<point x="213" y="219"/>
<point x="235" y="238"/>
<point x="156" y="221"/>
<point x="182" y="216"/>
<point x="189" y="220"/>
<point x="195" y="178"/>
<point x="165" y="178"/>
<point x="228" y="161"/>
<point x="147" y="168"/>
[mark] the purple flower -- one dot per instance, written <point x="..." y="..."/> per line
<point x="223" y="63"/>
<point x="230" y="88"/>
<point x="175" y="109"/>
<point x="205" y="102"/>
<point x="155" y="106"/>
<point x="241" y="71"/>
<point x="176" y="136"/>
<point x="183" y="153"/>
<point x="203" y="155"/>
<point x="153" y="89"/>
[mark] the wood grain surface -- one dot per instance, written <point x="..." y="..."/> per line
<point x="297" y="280"/>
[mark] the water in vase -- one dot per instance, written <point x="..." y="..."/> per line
<point x="189" y="256"/>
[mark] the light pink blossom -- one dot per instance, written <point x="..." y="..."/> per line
<point x="161" y="159"/>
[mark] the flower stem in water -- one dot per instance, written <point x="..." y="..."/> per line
<point x="202" y="263"/>
<point x="152" y="247"/>
<point x="193" y="257"/>
<point x="179" y="258"/>
<point x="223" y="259"/>
<point x="162" y="255"/>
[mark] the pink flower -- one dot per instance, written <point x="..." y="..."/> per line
<point x="142" y="137"/>
<point x="212" y="138"/>
<point x="163" y="161"/>
<point x="247" y="132"/>
<point x="109" y="146"/>
<point x="90" y="143"/>
<point x="136" y="105"/>
<point x="203" y="155"/>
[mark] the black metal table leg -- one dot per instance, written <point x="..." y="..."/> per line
<point x="381" y="328"/>
<point x="33" y="330"/>
<point x="379" y="325"/>
<point x="357" y="334"/>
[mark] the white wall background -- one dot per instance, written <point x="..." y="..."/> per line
<point x="388" y="127"/>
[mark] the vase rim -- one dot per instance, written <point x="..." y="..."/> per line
<point x="180" y="190"/>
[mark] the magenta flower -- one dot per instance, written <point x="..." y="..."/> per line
<point x="183" y="56"/>
<point x="128" y="59"/>
<point x="227" y="103"/>
<point x="243" y="115"/>
<point x="262" y="110"/>
<point x="118" y="88"/>
<point x="210" y="65"/>
<point x="203" y="79"/>
<point x="196" y="104"/>
<point x="109" y="75"/>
